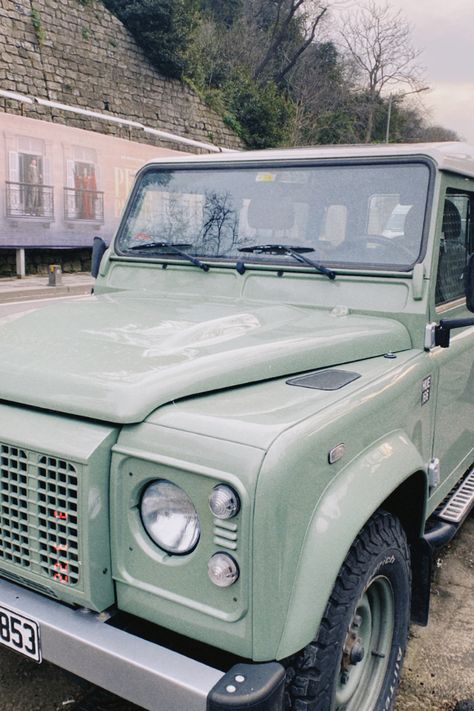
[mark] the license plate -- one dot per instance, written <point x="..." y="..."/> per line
<point x="20" y="633"/>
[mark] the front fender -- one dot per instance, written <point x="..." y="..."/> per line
<point x="343" y="509"/>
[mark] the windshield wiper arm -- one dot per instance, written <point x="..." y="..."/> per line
<point x="291" y="251"/>
<point x="174" y="248"/>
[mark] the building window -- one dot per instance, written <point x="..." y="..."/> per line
<point x="28" y="193"/>
<point x="82" y="200"/>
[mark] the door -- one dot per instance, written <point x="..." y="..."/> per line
<point x="454" y="420"/>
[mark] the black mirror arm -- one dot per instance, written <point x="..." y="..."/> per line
<point x="98" y="250"/>
<point x="443" y="331"/>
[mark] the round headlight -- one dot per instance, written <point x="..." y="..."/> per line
<point x="169" y="517"/>
<point x="224" y="502"/>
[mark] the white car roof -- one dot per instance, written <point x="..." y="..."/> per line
<point x="456" y="157"/>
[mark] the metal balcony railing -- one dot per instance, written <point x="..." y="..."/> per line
<point x="83" y="205"/>
<point x="29" y="200"/>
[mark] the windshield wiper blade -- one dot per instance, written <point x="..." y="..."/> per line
<point x="292" y="251"/>
<point x="174" y="248"/>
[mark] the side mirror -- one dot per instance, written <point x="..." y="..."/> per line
<point x="469" y="283"/>
<point x="98" y="249"/>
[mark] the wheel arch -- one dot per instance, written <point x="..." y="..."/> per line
<point x="389" y="474"/>
<point x="408" y="503"/>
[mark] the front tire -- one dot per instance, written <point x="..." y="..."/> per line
<point x="355" y="661"/>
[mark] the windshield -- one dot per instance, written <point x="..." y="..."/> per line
<point x="347" y="215"/>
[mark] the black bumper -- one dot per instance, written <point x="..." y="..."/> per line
<point x="258" y="687"/>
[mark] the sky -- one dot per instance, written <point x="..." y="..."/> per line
<point x="444" y="31"/>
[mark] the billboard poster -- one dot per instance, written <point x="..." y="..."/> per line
<point x="60" y="186"/>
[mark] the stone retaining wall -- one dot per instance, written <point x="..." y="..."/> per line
<point x="76" y="52"/>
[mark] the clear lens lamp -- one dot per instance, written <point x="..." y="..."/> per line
<point x="223" y="570"/>
<point x="169" y="517"/>
<point x="224" y="502"/>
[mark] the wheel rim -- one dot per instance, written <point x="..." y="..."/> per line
<point x="366" y="649"/>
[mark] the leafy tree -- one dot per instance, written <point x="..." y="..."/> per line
<point x="161" y="27"/>
<point x="262" y="65"/>
<point x="262" y="113"/>
<point x="222" y="11"/>
<point x="436" y="133"/>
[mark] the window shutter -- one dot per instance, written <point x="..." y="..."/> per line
<point x="70" y="174"/>
<point x="47" y="177"/>
<point x="13" y="167"/>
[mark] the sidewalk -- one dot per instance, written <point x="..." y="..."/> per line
<point x="36" y="287"/>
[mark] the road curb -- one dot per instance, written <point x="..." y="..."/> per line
<point x="46" y="292"/>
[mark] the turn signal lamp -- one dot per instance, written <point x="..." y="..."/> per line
<point x="224" y="502"/>
<point x="223" y="570"/>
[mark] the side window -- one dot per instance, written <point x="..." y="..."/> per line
<point x="334" y="227"/>
<point x="455" y="246"/>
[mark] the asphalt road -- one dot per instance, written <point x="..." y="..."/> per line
<point x="438" y="670"/>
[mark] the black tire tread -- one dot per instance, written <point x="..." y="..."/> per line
<point x="309" y="685"/>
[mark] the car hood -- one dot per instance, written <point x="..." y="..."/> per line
<point x="118" y="357"/>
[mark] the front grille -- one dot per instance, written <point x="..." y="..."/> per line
<point x="14" y="539"/>
<point x="39" y="526"/>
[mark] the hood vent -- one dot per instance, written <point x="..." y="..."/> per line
<point x="325" y="379"/>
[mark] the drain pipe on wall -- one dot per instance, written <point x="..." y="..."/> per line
<point x="164" y="135"/>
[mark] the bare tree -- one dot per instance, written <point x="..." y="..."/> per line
<point x="308" y="14"/>
<point x="377" y="40"/>
<point x="268" y="39"/>
<point x="324" y="103"/>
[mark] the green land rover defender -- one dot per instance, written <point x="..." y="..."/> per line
<point x="223" y="475"/>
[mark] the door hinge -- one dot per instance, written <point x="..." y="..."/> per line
<point x="434" y="473"/>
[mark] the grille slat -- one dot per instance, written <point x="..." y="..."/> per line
<point x="14" y="506"/>
<point x="39" y="526"/>
<point x="226" y="534"/>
